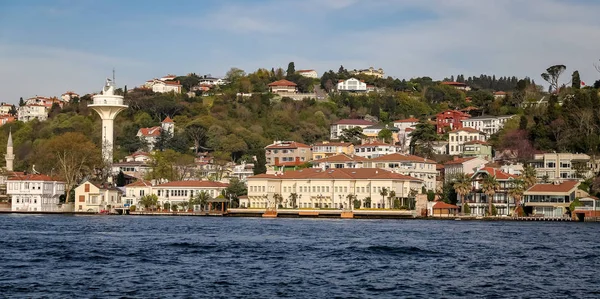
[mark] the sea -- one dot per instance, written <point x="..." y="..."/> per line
<point x="65" y="256"/>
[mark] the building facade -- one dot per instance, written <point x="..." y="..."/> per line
<point x="375" y="149"/>
<point x="340" y="161"/>
<point x="410" y="165"/>
<point x="462" y="166"/>
<point x="283" y="86"/>
<point x="457" y="139"/>
<point x="479" y="201"/>
<point x="486" y="124"/>
<point x="178" y="192"/>
<point x="33" y="111"/>
<point x="327" y="148"/>
<point x="90" y="197"/>
<point x="287" y="154"/>
<point x="371" y="71"/>
<point x="308" y="73"/>
<point x="564" y="166"/>
<point x="549" y="200"/>
<point x="331" y="188"/>
<point x="352" y="85"/>
<point x="337" y="128"/>
<point x="164" y="85"/>
<point x="450" y="120"/>
<point x="150" y="135"/>
<point x="477" y="148"/>
<point x="35" y="192"/>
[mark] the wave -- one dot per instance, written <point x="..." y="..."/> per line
<point x="399" y="250"/>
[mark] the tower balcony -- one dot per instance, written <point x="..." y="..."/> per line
<point x="105" y="100"/>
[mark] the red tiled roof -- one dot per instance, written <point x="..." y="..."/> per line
<point x="167" y="120"/>
<point x="154" y="131"/>
<point x="340" y="173"/>
<point x="32" y="177"/>
<point x="443" y="205"/>
<point x="563" y="187"/>
<point x="467" y="129"/>
<point x="282" y="83"/>
<point x="140" y="183"/>
<point x="476" y="142"/>
<point x="401" y="157"/>
<point x="358" y="122"/>
<point x="409" y="130"/>
<point x="287" y="145"/>
<point x="499" y="174"/>
<point x="459" y="161"/>
<point x="408" y="120"/>
<point x="201" y="184"/>
<point x="499" y="93"/>
<point x="172" y="83"/>
<point x="341" y="158"/>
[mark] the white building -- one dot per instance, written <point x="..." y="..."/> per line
<point x="340" y="161"/>
<point x="457" y="139"/>
<point x="414" y="166"/>
<point x="308" y="73"/>
<point x="337" y="128"/>
<point x="33" y="111"/>
<point x="375" y="149"/>
<point x="5" y="108"/>
<point x="164" y="86"/>
<point x="150" y="135"/>
<point x="486" y="124"/>
<point x="331" y="188"/>
<point x="371" y="71"/>
<point x="35" y="192"/>
<point x="352" y="85"/>
<point x="135" y="191"/>
<point x="462" y="165"/>
<point x="181" y="191"/>
<point x="68" y="96"/>
<point x="562" y="166"/>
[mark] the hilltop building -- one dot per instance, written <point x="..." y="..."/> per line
<point x="282" y="154"/>
<point x="371" y="71"/>
<point x="308" y="73"/>
<point x="487" y="124"/>
<point x="337" y="128"/>
<point x="150" y="135"/>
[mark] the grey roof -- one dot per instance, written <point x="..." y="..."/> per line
<point x="487" y="117"/>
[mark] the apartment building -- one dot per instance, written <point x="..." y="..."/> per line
<point x="287" y="154"/>
<point x="479" y="202"/>
<point x="566" y="166"/>
<point x="327" y="148"/>
<point x="486" y="124"/>
<point x="414" y="166"/>
<point x="337" y="128"/>
<point x="458" y="138"/>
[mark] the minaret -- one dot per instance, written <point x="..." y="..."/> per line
<point x="10" y="157"/>
<point x="108" y="105"/>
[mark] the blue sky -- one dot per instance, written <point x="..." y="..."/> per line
<point x="49" y="47"/>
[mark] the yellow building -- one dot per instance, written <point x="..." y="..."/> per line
<point x="90" y="197"/>
<point x="327" y="149"/>
<point x="329" y="188"/>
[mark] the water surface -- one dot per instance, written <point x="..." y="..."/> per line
<point x="201" y="257"/>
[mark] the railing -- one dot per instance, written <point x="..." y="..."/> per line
<point x="108" y="102"/>
<point x="585" y="208"/>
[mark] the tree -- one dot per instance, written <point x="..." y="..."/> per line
<point x="383" y="193"/>
<point x="489" y="186"/>
<point x="576" y="80"/>
<point x="391" y="197"/>
<point x="171" y="165"/>
<point x="523" y="122"/>
<point x="552" y="75"/>
<point x="21" y="102"/>
<point x="236" y="189"/>
<point x="422" y="138"/>
<point x="197" y="133"/>
<point x="529" y="176"/>
<point x="202" y="199"/>
<point x="293" y="199"/>
<point x="353" y="135"/>
<point x="278" y="199"/>
<point x="291" y="69"/>
<point x="462" y="186"/>
<point x="516" y="190"/>
<point x="385" y="135"/>
<point x="74" y="155"/>
<point x="163" y="140"/>
<point x="149" y="201"/>
<point x="121" y="179"/>
<point x="13" y="110"/>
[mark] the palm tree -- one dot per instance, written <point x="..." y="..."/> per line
<point x="293" y="199"/>
<point x="529" y="176"/>
<point x="383" y="193"/>
<point x="391" y="197"/>
<point x="516" y="191"/>
<point x="278" y="199"/>
<point x="411" y="197"/>
<point x="462" y="186"/>
<point x="490" y="185"/>
<point x="202" y="199"/>
<point x="351" y="198"/>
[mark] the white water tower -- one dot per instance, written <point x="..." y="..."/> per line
<point x="108" y="105"/>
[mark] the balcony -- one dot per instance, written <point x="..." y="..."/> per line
<point x="108" y="101"/>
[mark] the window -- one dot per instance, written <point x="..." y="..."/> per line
<point x="81" y="198"/>
<point x="86" y="188"/>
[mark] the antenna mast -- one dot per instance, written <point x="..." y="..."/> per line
<point x="114" y="82"/>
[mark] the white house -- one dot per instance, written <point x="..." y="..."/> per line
<point x="283" y="86"/>
<point x="308" y="73"/>
<point x="566" y="166"/>
<point x="35" y="192"/>
<point x="135" y="191"/>
<point x="33" y="111"/>
<point x="371" y="71"/>
<point x="150" y="135"/>
<point x="68" y="96"/>
<point x="375" y="149"/>
<point x="462" y="165"/>
<point x="457" y="139"/>
<point x="352" y="85"/>
<point x="414" y="166"/>
<point x="181" y="191"/>
<point x="212" y="81"/>
<point x="487" y="124"/>
<point x="164" y="86"/>
<point x="338" y="127"/>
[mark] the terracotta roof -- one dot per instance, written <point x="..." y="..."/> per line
<point x="466" y="129"/>
<point x="499" y="174"/>
<point x="154" y="131"/>
<point x="499" y="93"/>
<point x="201" y="184"/>
<point x="341" y="158"/>
<point x="287" y="145"/>
<point x="443" y="205"/>
<point x="167" y="120"/>
<point x="401" y="157"/>
<point x="408" y="120"/>
<point x="327" y="143"/>
<point x="282" y="83"/>
<point x="476" y="142"/>
<point x="409" y="130"/>
<point x="361" y="122"/>
<point x="32" y="177"/>
<point x="459" y="161"/>
<point x="339" y="173"/>
<point x="563" y="187"/>
<point x="439" y="166"/>
<point x="140" y="183"/>
<point x="172" y="83"/>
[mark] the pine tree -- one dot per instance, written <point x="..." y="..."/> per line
<point x="576" y="80"/>
<point x="21" y="102"/>
<point x="291" y="69"/>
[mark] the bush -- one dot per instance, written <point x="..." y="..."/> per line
<point x="494" y="210"/>
<point x="356" y="204"/>
<point x="396" y="203"/>
<point x="132" y="208"/>
<point x="174" y="207"/>
<point x="166" y="206"/>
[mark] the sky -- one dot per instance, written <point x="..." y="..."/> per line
<point x="48" y="47"/>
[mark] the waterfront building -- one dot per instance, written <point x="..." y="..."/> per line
<point x="35" y="192"/>
<point x="337" y="128"/>
<point x="462" y="165"/>
<point x="479" y="202"/>
<point x="135" y="191"/>
<point x="178" y="192"/>
<point x="410" y="165"/>
<point x="566" y="166"/>
<point x="94" y="197"/>
<point x="330" y="188"/>
<point x="550" y="200"/>
<point x="108" y="106"/>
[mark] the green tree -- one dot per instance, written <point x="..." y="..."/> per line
<point x="422" y="138"/>
<point x="236" y="189"/>
<point x="516" y="190"/>
<point x="383" y="193"/>
<point x="462" y="186"/>
<point x="293" y="199"/>
<point x="391" y="198"/>
<point x="202" y="199"/>
<point x="523" y="122"/>
<point x="353" y="135"/>
<point x="385" y="135"/>
<point x="149" y="201"/>
<point x="121" y="179"/>
<point x="21" y="102"/>
<point x="291" y="69"/>
<point x="576" y="80"/>
<point x="552" y="75"/>
<point x="529" y="176"/>
<point x="489" y="186"/>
